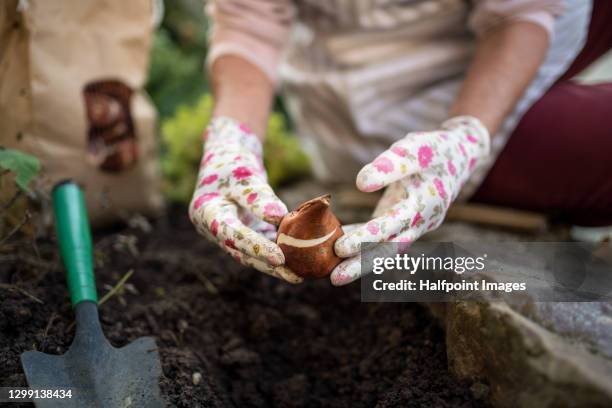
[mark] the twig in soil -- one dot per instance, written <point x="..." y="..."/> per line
<point x="25" y="219"/>
<point x="208" y="285"/>
<point x="35" y="248"/>
<point x="152" y="323"/>
<point x="110" y="293"/>
<point x="116" y="288"/>
<point x="28" y="260"/>
<point x="9" y="203"/>
<point x="173" y="336"/>
<point x="22" y="291"/>
<point x="49" y="324"/>
<point x="47" y="328"/>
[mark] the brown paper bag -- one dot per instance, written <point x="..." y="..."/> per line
<point x="71" y="79"/>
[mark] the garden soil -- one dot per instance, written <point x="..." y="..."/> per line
<point x="228" y="335"/>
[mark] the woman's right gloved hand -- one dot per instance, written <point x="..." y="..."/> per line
<point x="233" y="204"/>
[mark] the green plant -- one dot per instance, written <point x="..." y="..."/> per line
<point x="283" y="156"/>
<point x="176" y="72"/>
<point x="17" y="171"/>
<point x="176" y="76"/>
<point x="24" y="166"/>
<point x="181" y="150"/>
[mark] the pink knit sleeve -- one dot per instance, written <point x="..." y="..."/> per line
<point x="255" y="30"/>
<point x="489" y="13"/>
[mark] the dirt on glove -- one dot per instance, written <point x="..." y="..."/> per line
<point x="230" y="336"/>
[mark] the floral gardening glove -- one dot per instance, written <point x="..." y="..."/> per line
<point x="233" y="204"/>
<point x="425" y="172"/>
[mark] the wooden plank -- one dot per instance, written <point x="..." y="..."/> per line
<point x="498" y="216"/>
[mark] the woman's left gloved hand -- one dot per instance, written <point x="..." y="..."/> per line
<point x="425" y="172"/>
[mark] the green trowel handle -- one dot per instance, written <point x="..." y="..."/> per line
<point x="74" y="238"/>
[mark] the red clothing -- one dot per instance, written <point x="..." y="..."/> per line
<point x="571" y="128"/>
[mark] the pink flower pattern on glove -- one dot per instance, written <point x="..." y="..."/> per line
<point x="400" y="151"/>
<point x="425" y="155"/>
<point x="241" y="172"/>
<point x="423" y="173"/>
<point x="209" y="180"/>
<point x="233" y="204"/>
<point x="452" y="170"/>
<point x="383" y="165"/>
<point x="372" y="228"/>
<point x="440" y="187"/>
<point x="274" y="210"/>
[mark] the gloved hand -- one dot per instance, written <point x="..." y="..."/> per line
<point x="233" y="204"/>
<point x="425" y="172"/>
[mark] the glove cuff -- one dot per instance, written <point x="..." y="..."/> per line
<point x="225" y="130"/>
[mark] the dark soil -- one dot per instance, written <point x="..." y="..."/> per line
<point x="255" y="341"/>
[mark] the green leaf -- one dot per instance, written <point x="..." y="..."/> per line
<point x="24" y="166"/>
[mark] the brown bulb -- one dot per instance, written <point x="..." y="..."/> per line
<point x="307" y="236"/>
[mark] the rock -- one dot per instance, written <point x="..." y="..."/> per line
<point x="526" y="364"/>
<point x="182" y="325"/>
<point x="196" y="378"/>
<point x="587" y="323"/>
<point x="540" y="354"/>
